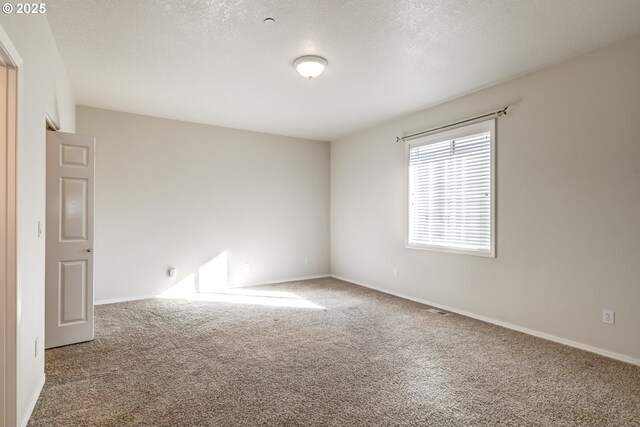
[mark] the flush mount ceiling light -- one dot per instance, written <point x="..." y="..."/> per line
<point x="310" y="66"/>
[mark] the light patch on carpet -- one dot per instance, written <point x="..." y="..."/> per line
<point x="244" y="296"/>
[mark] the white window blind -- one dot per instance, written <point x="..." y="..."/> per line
<point x="451" y="190"/>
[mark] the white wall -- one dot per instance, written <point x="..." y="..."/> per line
<point x="45" y="90"/>
<point x="568" y="205"/>
<point x="171" y="193"/>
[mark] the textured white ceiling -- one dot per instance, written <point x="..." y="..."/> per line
<point x="216" y="62"/>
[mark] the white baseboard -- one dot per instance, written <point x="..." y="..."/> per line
<point x="244" y="285"/>
<point x="543" y="335"/>
<point x="32" y="403"/>
<point x="275" y="282"/>
<point x="123" y="299"/>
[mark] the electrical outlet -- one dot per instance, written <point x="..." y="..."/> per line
<point x="247" y="266"/>
<point x="306" y="260"/>
<point x="395" y="272"/>
<point x="609" y="317"/>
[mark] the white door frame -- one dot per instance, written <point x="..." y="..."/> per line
<point x="9" y="289"/>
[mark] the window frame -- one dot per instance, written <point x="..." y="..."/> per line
<point x="458" y="132"/>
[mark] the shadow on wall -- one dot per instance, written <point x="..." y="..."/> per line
<point x="210" y="283"/>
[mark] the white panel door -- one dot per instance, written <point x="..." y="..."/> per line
<point x="69" y="269"/>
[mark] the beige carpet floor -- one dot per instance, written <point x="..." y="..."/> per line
<point x="363" y="359"/>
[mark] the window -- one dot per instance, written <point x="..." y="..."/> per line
<point x="452" y="191"/>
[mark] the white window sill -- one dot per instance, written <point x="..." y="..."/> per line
<point x="445" y="249"/>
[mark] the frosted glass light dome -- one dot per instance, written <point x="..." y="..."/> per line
<point x="310" y="66"/>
